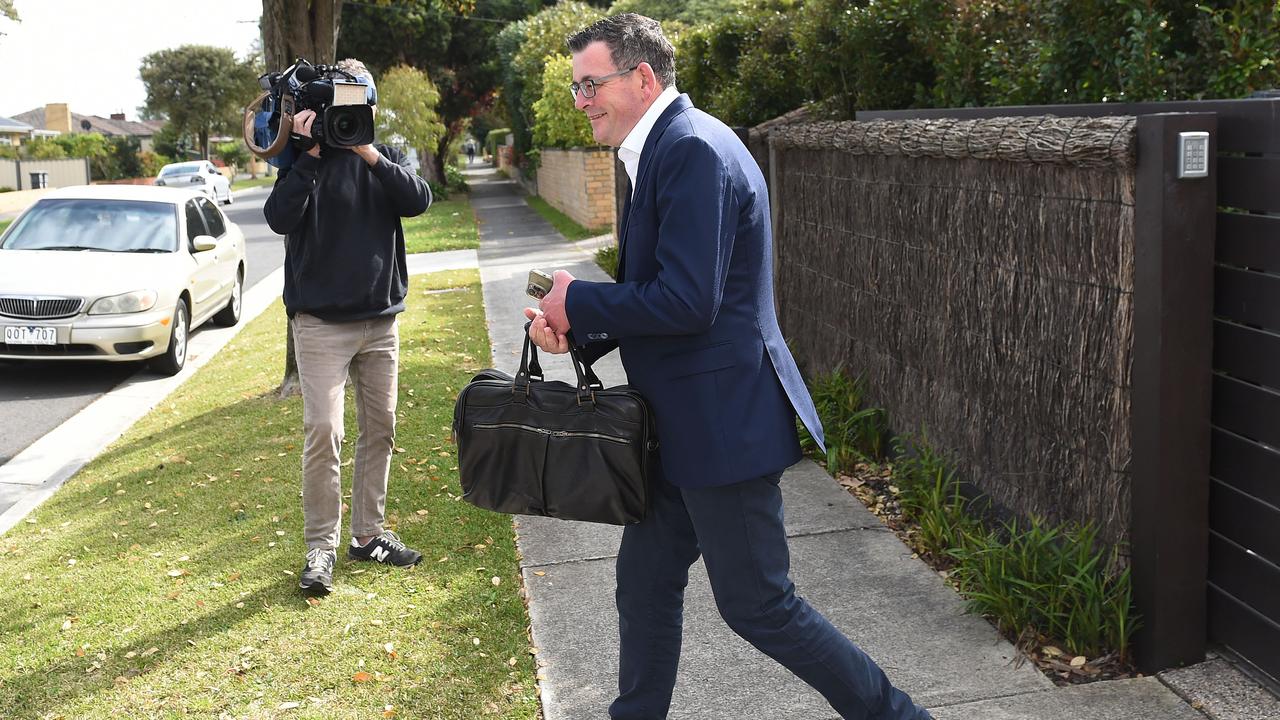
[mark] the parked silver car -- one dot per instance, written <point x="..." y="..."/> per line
<point x="200" y="175"/>
<point x="117" y="272"/>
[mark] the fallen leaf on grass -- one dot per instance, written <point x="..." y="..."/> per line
<point x="390" y="648"/>
<point x="362" y="676"/>
<point x="389" y="711"/>
<point x="178" y="572"/>
<point x="288" y="705"/>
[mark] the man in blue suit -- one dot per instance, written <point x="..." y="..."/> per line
<point x="693" y="316"/>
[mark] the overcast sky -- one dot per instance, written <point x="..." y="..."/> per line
<point x="86" y="53"/>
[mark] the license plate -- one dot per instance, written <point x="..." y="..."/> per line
<point x="30" y="335"/>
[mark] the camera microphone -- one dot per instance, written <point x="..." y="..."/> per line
<point x="305" y="73"/>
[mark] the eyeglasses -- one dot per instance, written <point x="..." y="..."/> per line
<point x="588" y="87"/>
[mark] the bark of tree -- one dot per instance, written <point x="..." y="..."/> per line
<point x="293" y="29"/>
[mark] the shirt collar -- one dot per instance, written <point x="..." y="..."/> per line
<point x="635" y="139"/>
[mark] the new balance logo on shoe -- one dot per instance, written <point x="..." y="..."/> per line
<point x="386" y="548"/>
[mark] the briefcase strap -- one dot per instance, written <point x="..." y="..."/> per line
<point x="531" y="371"/>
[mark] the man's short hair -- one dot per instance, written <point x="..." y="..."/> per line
<point x="631" y="39"/>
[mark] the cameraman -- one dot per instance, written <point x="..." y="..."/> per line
<point x="345" y="283"/>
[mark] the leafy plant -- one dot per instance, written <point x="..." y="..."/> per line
<point x="407" y="102"/>
<point x="1054" y="581"/>
<point x="557" y="123"/>
<point x="607" y="259"/>
<point x="853" y="432"/>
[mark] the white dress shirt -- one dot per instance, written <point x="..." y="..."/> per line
<point x="631" y="147"/>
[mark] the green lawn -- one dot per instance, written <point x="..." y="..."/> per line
<point x="446" y="225"/>
<point x="160" y="581"/>
<point x="256" y="182"/>
<point x="4" y="224"/>
<point x="571" y="230"/>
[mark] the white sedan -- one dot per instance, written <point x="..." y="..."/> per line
<point x="200" y="175"/>
<point x="117" y="272"/>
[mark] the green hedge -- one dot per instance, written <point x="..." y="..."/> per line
<point x="841" y="56"/>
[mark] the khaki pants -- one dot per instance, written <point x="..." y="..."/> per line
<point x="368" y="350"/>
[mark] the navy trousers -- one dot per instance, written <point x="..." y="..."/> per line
<point x="738" y="531"/>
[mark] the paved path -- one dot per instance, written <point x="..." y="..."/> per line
<point x="845" y="562"/>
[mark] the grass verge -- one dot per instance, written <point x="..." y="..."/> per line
<point x="160" y="581"/>
<point x="255" y="182"/>
<point x="4" y="224"/>
<point x="565" y="225"/>
<point x="446" y="225"/>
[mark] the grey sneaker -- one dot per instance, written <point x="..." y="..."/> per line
<point x="317" y="574"/>
<point x="386" y="548"/>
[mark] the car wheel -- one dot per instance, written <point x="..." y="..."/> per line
<point x="230" y="315"/>
<point x="171" y="362"/>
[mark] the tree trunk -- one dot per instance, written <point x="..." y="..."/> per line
<point x="299" y="28"/>
<point x="293" y="29"/>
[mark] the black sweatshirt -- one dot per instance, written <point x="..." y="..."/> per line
<point x="344" y="247"/>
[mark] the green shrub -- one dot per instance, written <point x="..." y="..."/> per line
<point x="1036" y="579"/>
<point x="854" y="433"/>
<point x="438" y="191"/>
<point x="607" y="259"/>
<point x="494" y="139"/>
<point x="6" y="188"/>
<point x="522" y="49"/>
<point x="557" y="123"/>
<point x="152" y="162"/>
<point x="743" y="67"/>
<point x="454" y="179"/>
<point x="1238" y="46"/>
<point x="233" y="153"/>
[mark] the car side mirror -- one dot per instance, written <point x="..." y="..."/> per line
<point x="204" y="242"/>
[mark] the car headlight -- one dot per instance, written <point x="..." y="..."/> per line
<point x="130" y="302"/>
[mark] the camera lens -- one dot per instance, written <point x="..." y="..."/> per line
<point x="347" y="126"/>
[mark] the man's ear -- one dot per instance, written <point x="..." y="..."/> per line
<point x="649" y="80"/>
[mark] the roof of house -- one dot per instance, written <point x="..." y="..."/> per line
<point x="96" y="123"/>
<point x="11" y="125"/>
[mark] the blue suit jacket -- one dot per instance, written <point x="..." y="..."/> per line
<point x="693" y="312"/>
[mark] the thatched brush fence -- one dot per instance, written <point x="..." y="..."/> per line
<point x="979" y="274"/>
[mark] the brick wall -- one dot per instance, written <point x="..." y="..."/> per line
<point x="579" y="183"/>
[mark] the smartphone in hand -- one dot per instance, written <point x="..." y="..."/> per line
<point x="539" y="284"/>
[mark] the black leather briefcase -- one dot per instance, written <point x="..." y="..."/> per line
<point x="530" y="446"/>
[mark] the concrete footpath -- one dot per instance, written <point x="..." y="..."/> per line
<point x="845" y="562"/>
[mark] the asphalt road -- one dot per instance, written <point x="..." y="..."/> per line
<point x="36" y="397"/>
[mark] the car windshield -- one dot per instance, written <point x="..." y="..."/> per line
<point x="179" y="170"/>
<point x="93" y="224"/>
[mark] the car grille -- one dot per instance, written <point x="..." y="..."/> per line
<point x="39" y="308"/>
<point x="61" y="350"/>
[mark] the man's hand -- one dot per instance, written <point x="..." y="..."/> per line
<point x="552" y="304"/>
<point x="302" y="126"/>
<point x="368" y="152"/>
<point x="543" y="336"/>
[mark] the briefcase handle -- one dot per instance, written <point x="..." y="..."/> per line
<point x="531" y="371"/>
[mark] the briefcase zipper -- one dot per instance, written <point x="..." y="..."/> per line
<point x="552" y="433"/>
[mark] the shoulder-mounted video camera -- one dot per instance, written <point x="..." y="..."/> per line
<point x="343" y="104"/>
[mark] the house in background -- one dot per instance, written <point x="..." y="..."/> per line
<point x="13" y="132"/>
<point x="57" y="118"/>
